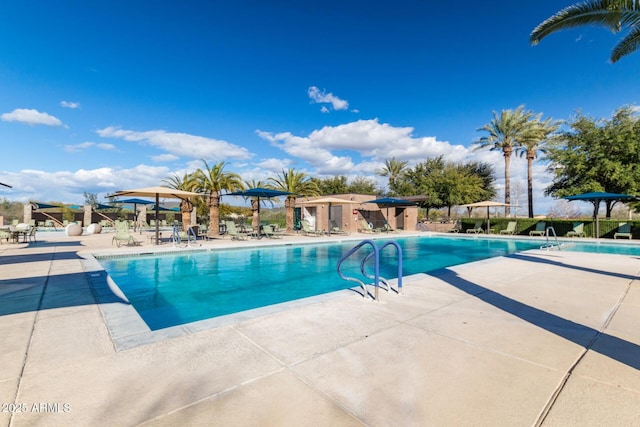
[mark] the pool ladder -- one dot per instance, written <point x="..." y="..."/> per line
<point x="177" y="239"/>
<point x="550" y="245"/>
<point x="377" y="279"/>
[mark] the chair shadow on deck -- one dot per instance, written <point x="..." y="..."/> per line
<point x="591" y="339"/>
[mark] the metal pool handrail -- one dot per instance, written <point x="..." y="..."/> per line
<point x="376" y="267"/>
<point x="549" y="245"/>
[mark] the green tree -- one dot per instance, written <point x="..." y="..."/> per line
<point x="446" y="184"/>
<point x="532" y="144"/>
<point x="333" y="185"/>
<point x="597" y="155"/>
<point x="612" y="14"/>
<point x="362" y="185"/>
<point x="393" y="169"/>
<point x="187" y="182"/>
<point x="90" y="199"/>
<point x="505" y="132"/>
<point x="212" y="181"/>
<point x="297" y="183"/>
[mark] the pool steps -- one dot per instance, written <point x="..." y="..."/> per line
<point x="377" y="279"/>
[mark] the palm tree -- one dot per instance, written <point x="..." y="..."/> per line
<point x="297" y="183"/>
<point x="505" y="132"/>
<point x="255" y="202"/>
<point x="211" y="181"/>
<point x="611" y="14"/>
<point x="393" y="169"/>
<point x="534" y="143"/>
<point x="188" y="182"/>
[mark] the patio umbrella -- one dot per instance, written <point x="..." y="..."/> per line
<point x="264" y="193"/>
<point x="156" y="192"/>
<point x="485" y="204"/>
<point x="596" y="198"/>
<point x="391" y="202"/>
<point x="330" y="201"/>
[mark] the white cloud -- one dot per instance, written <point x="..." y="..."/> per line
<point x="181" y="144"/>
<point x="72" y="105"/>
<point x="68" y="186"/>
<point x="31" y="117"/>
<point x="324" y="109"/>
<point x="321" y="97"/>
<point x="84" y="145"/>
<point x="165" y="158"/>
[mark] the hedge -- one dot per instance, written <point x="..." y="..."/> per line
<point x="562" y="226"/>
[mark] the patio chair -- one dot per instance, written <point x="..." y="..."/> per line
<point x="308" y="231"/>
<point x="234" y="232"/>
<point x="267" y="230"/>
<point x="123" y="237"/>
<point x="578" y="230"/>
<point x="366" y="227"/>
<point x="457" y="227"/>
<point x="540" y="230"/>
<point x="624" y="230"/>
<point x="5" y="234"/>
<point x="387" y="228"/>
<point x="477" y="228"/>
<point x="511" y="228"/>
<point x="334" y="229"/>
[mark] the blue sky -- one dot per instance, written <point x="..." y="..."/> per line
<point x="105" y="96"/>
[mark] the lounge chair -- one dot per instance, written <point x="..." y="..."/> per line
<point x="477" y="228"/>
<point x="267" y="230"/>
<point x="457" y="227"/>
<point x="511" y="228"/>
<point x="308" y="231"/>
<point x="578" y="230"/>
<point x="123" y="237"/>
<point x="624" y="230"/>
<point x="334" y="229"/>
<point x="234" y="232"/>
<point x="541" y="229"/>
<point x="366" y="227"/>
<point x="387" y="228"/>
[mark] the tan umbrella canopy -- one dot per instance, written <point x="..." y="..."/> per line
<point x="330" y="201"/>
<point x="485" y="204"/>
<point x="156" y="192"/>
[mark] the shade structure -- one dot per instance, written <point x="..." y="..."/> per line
<point x="156" y="192"/>
<point x="259" y="193"/>
<point x="486" y="204"/>
<point x="596" y="198"/>
<point x="330" y="201"/>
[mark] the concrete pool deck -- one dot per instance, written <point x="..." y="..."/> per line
<point x="536" y="338"/>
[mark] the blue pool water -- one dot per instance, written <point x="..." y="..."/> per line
<point x="174" y="289"/>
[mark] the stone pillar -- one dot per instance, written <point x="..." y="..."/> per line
<point x="87" y="215"/>
<point x="194" y="216"/>
<point x="28" y="208"/>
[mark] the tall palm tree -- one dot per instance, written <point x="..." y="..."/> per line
<point x="612" y="14"/>
<point x="298" y="183"/>
<point x="255" y="202"/>
<point x="211" y="181"/>
<point x="187" y="182"/>
<point x="393" y="169"/>
<point x="534" y="143"/>
<point x="505" y="132"/>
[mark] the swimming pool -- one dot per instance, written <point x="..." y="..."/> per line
<point x="173" y="289"/>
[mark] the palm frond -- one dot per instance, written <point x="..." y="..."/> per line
<point x="608" y="13"/>
<point x="629" y="44"/>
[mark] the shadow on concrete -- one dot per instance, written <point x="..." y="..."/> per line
<point x="591" y="339"/>
<point x="543" y="260"/>
<point x="27" y="258"/>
